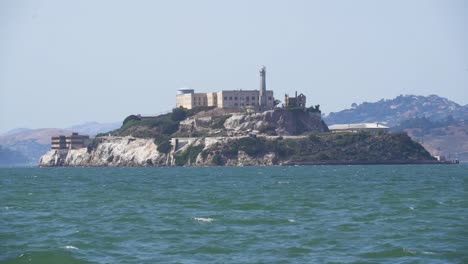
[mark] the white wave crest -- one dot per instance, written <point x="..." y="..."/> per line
<point x="203" y="219"/>
<point x="70" y="247"/>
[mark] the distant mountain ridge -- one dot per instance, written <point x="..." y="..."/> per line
<point x="29" y="144"/>
<point x="94" y="128"/>
<point x="10" y="157"/>
<point x="394" y="111"/>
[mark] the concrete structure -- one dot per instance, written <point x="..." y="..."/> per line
<point x="73" y="141"/>
<point x="373" y="128"/>
<point x="297" y="101"/>
<point x="236" y="99"/>
<point x="58" y="142"/>
<point x="262" y="96"/>
<point x="244" y="98"/>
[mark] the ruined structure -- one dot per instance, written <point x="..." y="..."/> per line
<point x="297" y="101"/>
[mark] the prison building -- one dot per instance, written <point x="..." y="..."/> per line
<point x="73" y="141"/>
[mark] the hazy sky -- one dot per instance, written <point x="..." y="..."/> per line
<point x="67" y="62"/>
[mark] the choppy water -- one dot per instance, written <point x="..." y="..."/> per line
<point x="310" y="214"/>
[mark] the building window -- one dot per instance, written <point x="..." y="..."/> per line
<point x="247" y="98"/>
<point x="253" y="97"/>
<point x="269" y="98"/>
<point x="225" y="98"/>
<point x="235" y="98"/>
<point x="230" y="98"/>
<point x="235" y="104"/>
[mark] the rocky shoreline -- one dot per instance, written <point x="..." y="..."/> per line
<point x="325" y="149"/>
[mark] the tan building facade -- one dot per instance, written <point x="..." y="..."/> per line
<point x="224" y="99"/>
<point x="73" y="141"/>
<point x="243" y="98"/>
<point x="261" y="99"/>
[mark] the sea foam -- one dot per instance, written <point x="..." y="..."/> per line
<point x="203" y="219"/>
<point x="70" y="247"/>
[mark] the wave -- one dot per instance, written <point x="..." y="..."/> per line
<point x="70" y="247"/>
<point x="53" y="256"/>
<point x="203" y="219"/>
<point x="393" y="252"/>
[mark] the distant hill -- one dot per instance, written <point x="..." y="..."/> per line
<point x="94" y="128"/>
<point x="31" y="144"/>
<point x="15" y="130"/>
<point x="10" y="157"/>
<point x="439" y="124"/>
<point x="394" y="111"/>
<point x="450" y="140"/>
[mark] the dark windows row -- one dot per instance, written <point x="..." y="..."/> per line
<point x="242" y="104"/>
<point x="247" y="98"/>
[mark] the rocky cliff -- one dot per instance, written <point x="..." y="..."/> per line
<point x="277" y="122"/>
<point x="108" y="151"/>
<point x="325" y="148"/>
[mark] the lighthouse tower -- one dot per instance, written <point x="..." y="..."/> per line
<point x="262" y="100"/>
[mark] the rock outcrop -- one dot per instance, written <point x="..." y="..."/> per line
<point x="108" y="151"/>
<point x="325" y="148"/>
<point x="277" y="122"/>
<point x="129" y="151"/>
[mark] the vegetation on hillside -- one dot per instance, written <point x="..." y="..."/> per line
<point x="328" y="147"/>
<point x="159" y="127"/>
<point x="424" y="124"/>
<point x="188" y="156"/>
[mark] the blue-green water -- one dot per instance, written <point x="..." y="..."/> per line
<point x="309" y="214"/>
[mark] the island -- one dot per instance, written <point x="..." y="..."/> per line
<point x="236" y="128"/>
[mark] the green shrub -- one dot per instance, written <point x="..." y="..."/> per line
<point x="178" y="114"/>
<point x="315" y="109"/>
<point x="164" y="147"/>
<point x="93" y="145"/>
<point x="252" y="146"/>
<point x="323" y="156"/>
<point x="189" y="155"/>
<point x="217" y="160"/>
<point x="285" y="148"/>
<point x="314" y="138"/>
<point x="204" y="154"/>
<point x="130" y="118"/>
